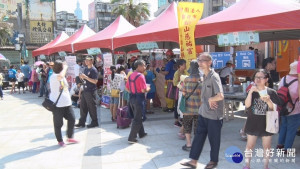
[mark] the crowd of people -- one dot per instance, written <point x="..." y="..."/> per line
<point x="166" y="84"/>
<point x="202" y="89"/>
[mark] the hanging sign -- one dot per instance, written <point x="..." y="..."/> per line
<point x="238" y="38"/>
<point x="244" y="60"/>
<point x="107" y="62"/>
<point x="62" y="53"/>
<point x="188" y="15"/>
<point x="94" y="51"/>
<point x="147" y="45"/>
<point x="219" y="59"/>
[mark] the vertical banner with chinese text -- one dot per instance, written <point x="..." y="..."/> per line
<point x="188" y="15"/>
<point x="107" y="62"/>
<point x="71" y="62"/>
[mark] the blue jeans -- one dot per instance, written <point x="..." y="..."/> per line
<point x="212" y="129"/>
<point x="1" y="93"/>
<point x="34" y="87"/>
<point x="288" y="130"/>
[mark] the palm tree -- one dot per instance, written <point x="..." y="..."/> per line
<point x="134" y="13"/>
<point x="5" y="32"/>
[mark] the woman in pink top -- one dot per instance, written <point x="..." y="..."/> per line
<point x="290" y="123"/>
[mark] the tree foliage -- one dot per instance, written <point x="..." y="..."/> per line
<point x="5" y="32"/>
<point x="134" y="13"/>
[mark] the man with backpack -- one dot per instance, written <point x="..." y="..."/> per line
<point x="289" y="108"/>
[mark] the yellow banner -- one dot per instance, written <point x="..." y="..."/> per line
<point x="189" y="14"/>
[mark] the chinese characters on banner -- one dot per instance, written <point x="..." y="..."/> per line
<point x="41" y="31"/>
<point x="107" y="62"/>
<point x="188" y="15"/>
<point x="71" y="61"/>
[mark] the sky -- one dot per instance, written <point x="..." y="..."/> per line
<point x="70" y="6"/>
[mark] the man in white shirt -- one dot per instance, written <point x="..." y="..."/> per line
<point x="226" y="71"/>
<point x="20" y="78"/>
<point x="77" y="70"/>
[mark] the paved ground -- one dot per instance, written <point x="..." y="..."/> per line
<point x="27" y="141"/>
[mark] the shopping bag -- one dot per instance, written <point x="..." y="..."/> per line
<point x="182" y="105"/>
<point x="272" y="120"/>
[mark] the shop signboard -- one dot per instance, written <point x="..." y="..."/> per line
<point x="245" y="60"/>
<point x="220" y="59"/>
<point x="41" y="32"/>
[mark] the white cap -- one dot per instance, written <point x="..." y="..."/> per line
<point x="293" y="68"/>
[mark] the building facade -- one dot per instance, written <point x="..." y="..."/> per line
<point x="68" y="22"/>
<point x="100" y="15"/>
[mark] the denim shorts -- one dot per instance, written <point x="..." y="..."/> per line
<point x="114" y="100"/>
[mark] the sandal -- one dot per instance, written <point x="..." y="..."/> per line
<point x="186" y="148"/>
<point x="211" y="165"/>
<point x="187" y="164"/>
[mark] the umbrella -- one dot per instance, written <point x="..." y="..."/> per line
<point x="2" y="57"/>
<point x="38" y="63"/>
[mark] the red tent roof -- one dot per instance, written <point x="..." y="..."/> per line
<point x="67" y="45"/>
<point x="104" y="38"/>
<point x="162" y="28"/>
<point x="44" y="50"/>
<point x="253" y="15"/>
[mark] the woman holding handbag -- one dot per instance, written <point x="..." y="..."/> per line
<point x="259" y="100"/>
<point x="58" y="84"/>
<point x="192" y="93"/>
<point x="116" y="79"/>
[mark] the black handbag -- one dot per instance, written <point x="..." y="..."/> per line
<point x="49" y="105"/>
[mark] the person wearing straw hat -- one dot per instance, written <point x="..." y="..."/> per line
<point x="290" y="123"/>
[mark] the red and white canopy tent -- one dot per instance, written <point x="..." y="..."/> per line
<point x="273" y="19"/>
<point x="162" y="29"/>
<point x="67" y="45"/>
<point x="44" y="50"/>
<point x="105" y="38"/>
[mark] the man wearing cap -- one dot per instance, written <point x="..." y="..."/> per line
<point x="226" y="71"/>
<point x="88" y="95"/>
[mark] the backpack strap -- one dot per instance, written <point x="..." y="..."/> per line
<point x="291" y="82"/>
<point x="130" y="80"/>
<point x="288" y="94"/>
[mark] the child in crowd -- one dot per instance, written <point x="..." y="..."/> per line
<point x="20" y="78"/>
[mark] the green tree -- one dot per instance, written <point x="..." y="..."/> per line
<point x="134" y="13"/>
<point x="5" y="32"/>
